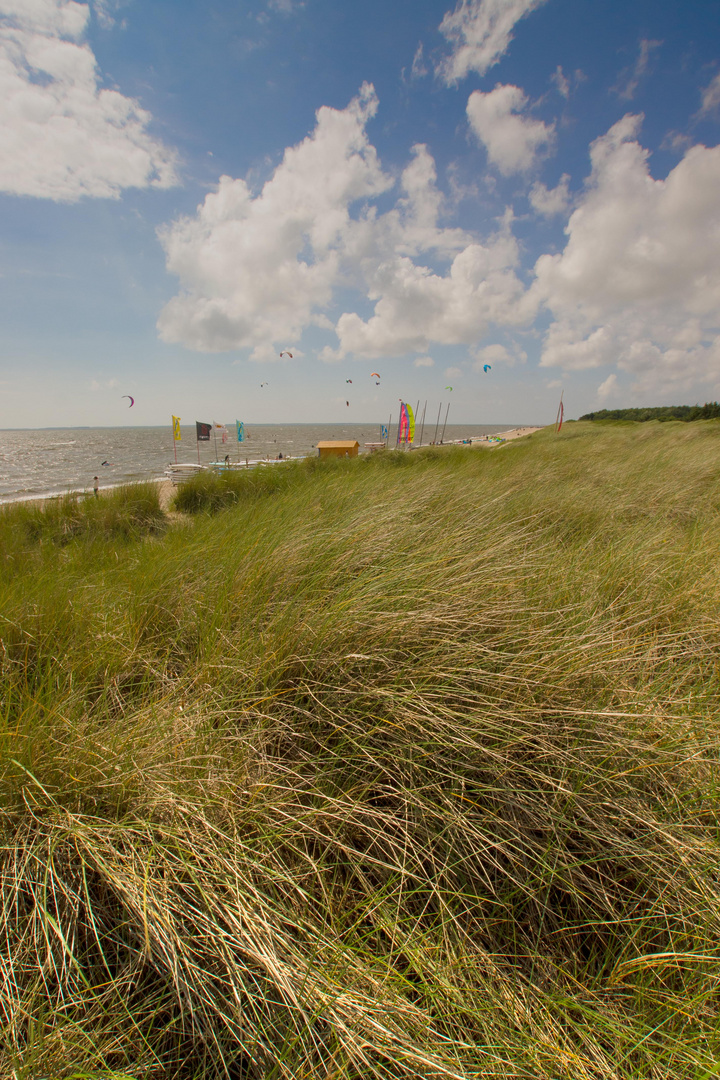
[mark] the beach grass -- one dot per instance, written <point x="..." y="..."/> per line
<point x="398" y="766"/>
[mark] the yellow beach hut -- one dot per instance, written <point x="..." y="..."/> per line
<point x="338" y="449"/>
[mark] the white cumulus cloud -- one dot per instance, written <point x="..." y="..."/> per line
<point x="254" y="268"/>
<point x="258" y="269"/>
<point x="638" y="283"/>
<point x="424" y="361"/>
<point x="493" y="354"/>
<point x="608" y="389"/>
<point x="550" y="202"/>
<point x="512" y="140"/>
<point x="480" y="32"/>
<point x="62" y="136"/>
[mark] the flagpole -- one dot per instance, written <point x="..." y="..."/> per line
<point x="198" y="443"/>
<point x="445" y="424"/>
<point x="437" y="424"/>
<point x="387" y="441"/>
<point x="399" y="423"/>
<point x="172" y="424"/>
<point x="422" y="426"/>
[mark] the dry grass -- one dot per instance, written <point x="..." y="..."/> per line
<point x="403" y="768"/>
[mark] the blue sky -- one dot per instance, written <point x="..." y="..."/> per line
<point x="417" y="188"/>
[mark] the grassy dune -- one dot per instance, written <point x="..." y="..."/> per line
<point x="399" y="767"/>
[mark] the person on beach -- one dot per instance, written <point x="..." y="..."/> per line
<point x="96" y="485"/>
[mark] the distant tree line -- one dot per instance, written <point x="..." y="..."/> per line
<point x="709" y="411"/>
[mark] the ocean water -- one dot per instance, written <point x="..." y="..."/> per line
<point x="51" y="461"/>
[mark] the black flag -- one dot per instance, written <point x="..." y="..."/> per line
<point x="202" y="431"/>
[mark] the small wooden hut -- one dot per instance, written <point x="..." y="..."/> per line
<point x="334" y="448"/>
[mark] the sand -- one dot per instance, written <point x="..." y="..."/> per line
<point x="517" y="433"/>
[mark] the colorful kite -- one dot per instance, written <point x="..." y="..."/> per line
<point x="131" y="399"/>
<point x="486" y="367"/>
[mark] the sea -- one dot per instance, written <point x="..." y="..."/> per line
<point x="40" y="462"/>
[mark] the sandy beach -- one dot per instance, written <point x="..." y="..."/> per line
<point x="516" y="433"/>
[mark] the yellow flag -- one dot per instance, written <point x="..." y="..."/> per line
<point x="411" y="424"/>
<point x="176" y="428"/>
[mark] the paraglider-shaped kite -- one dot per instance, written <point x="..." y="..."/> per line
<point x="263" y="384"/>
<point x="131" y="399"/>
<point x="347" y="403"/>
<point x="486" y="367"/>
<point x="448" y="387"/>
<point x="286" y="353"/>
<point x="375" y="375"/>
<point x="348" y="380"/>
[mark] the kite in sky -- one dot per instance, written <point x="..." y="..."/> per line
<point x="448" y="387"/>
<point x="486" y="367"/>
<point x="348" y="380"/>
<point x="263" y="384"/>
<point x="286" y="353"/>
<point x="132" y="400"/>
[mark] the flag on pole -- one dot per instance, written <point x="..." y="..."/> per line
<point x="240" y="425"/>
<point x="383" y="432"/>
<point x="202" y="431"/>
<point x="404" y="423"/>
<point x="560" y="414"/>
<point x="176" y="428"/>
<point x="411" y="424"/>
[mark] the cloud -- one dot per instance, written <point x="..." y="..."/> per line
<point x="562" y="83"/>
<point x="253" y="269"/>
<point x="418" y="70"/>
<point x="104" y="12"/>
<point x="637" y="286"/>
<point x="417" y="307"/>
<point x="493" y="354"/>
<point x="424" y="361"/>
<point x="453" y="372"/>
<point x="710" y="102"/>
<point x="512" y="141"/>
<point x="629" y="79"/>
<point x="61" y="136"/>
<point x="550" y="201"/>
<point x="609" y="388"/>
<point x="480" y="32"/>
<point x="259" y="269"/>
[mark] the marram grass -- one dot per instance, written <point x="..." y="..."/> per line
<point x="401" y="767"/>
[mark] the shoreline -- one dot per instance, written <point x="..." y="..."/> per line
<point x="166" y="487"/>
